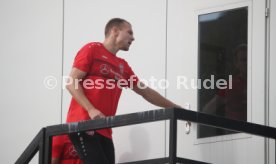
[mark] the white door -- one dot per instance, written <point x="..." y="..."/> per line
<point x="198" y="30"/>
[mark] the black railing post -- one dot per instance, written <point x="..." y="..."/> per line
<point x="31" y="149"/>
<point x="173" y="139"/>
<point x="41" y="148"/>
<point x="47" y="148"/>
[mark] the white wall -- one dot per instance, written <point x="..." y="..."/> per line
<point x="30" y="50"/>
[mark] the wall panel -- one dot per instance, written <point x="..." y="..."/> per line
<point x="31" y="50"/>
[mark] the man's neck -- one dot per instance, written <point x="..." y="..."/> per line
<point x="110" y="46"/>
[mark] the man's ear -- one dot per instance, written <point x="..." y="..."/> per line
<point x="115" y="31"/>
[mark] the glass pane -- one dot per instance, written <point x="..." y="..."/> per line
<point x="222" y="85"/>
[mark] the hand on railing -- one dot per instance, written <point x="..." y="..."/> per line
<point x="95" y="114"/>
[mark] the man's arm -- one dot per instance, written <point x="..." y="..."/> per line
<point x="153" y="97"/>
<point x="77" y="93"/>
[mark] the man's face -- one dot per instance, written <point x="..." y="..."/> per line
<point x="125" y="37"/>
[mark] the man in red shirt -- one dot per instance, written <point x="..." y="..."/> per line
<point x="96" y="82"/>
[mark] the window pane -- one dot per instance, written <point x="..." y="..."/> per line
<point x="222" y="88"/>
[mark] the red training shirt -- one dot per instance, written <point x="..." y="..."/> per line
<point x="106" y="75"/>
<point x="63" y="149"/>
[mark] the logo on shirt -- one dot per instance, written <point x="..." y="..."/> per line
<point x="72" y="152"/>
<point x="104" y="69"/>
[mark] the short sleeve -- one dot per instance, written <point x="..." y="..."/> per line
<point x="57" y="146"/>
<point x="84" y="58"/>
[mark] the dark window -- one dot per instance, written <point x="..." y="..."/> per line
<point x="223" y="63"/>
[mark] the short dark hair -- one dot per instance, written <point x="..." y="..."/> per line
<point x="114" y="22"/>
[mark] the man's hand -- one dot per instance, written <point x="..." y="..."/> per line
<point x="95" y="114"/>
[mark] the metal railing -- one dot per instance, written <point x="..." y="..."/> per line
<point x="42" y="143"/>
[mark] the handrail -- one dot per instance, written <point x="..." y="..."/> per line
<point x="32" y="148"/>
<point x="44" y="143"/>
<point x="225" y="123"/>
